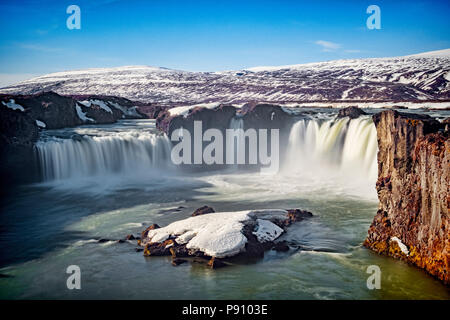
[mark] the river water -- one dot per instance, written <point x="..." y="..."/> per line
<point x="107" y="181"/>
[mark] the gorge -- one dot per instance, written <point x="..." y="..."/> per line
<point x="328" y="165"/>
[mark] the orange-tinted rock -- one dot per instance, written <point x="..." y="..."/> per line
<point x="413" y="191"/>
<point x="215" y="263"/>
<point x="295" y="215"/>
<point x="145" y="232"/>
<point x="203" y="210"/>
<point x="158" y="248"/>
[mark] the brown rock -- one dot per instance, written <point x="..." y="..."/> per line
<point x="203" y="210"/>
<point x="130" y="237"/>
<point x="215" y="263"/>
<point x="413" y="191"/>
<point x="158" y="249"/>
<point x="145" y="232"/>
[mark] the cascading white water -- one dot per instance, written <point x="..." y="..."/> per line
<point x="118" y="152"/>
<point x="343" y="145"/>
<point x="237" y="123"/>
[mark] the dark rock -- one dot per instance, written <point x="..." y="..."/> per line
<point x="215" y="263"/>
<point x="152" y="111"/>
<point x="178" y="261"/>
<point x="295" y="215"/>
<point x="18" y="159"/>
<point x="139" y="249"/>
<point x="281" y="246"/>
<point x="103" y="240"/>
<point x="203" y="210"/>
<point x="130" y="237"/>
<point x="200" y="260"/>
<point x="351" y="112"/>
<point x="121" y="241"/>
<point x="180" y="251"/>
<point x="253" y="248"/>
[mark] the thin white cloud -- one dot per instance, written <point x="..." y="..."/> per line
<point x="328" y="45"/>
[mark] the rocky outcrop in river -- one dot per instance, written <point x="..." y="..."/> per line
<point x="412" y="222"/>
<point x="214" y="237"/>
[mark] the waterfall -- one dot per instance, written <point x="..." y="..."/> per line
<point x="343" y="145"/>
<point x="237" y="124"/>
<point x="86" y="156"/>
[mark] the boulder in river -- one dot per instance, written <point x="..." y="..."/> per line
<point x="203" y="210"/>
<point x="221" y="235"/>
<point x="351" y="112"/>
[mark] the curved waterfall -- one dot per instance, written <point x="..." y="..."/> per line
<point x="120" y="152"/>
<point x="345" y="145"/>
<point x="314" y="147"/>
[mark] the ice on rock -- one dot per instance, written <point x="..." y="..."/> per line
<point x="13" y="105"/>
<point x="267" y="231"/>
<point x="220" y="234"/>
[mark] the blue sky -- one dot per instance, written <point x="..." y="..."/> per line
<point x="210" y="35"/>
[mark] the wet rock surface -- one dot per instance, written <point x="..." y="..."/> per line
<point x="413" y="191"/>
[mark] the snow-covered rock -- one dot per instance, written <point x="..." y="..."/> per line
<point x="221" y="234"/>
<point x="82" y="115"/>
<point x="410" y="78"/>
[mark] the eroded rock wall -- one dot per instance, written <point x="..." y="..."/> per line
<point x="413" y="191"/>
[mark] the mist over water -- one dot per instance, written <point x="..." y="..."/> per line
<point x="106" y="181"/>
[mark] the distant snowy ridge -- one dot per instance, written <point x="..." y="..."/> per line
<point x="418" y="77"/>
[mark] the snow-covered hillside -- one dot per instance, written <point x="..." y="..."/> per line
<point x="423" y="76"/>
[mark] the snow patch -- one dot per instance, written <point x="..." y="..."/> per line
<point x="267" y="231"/>
<point x="100" y="103"/>
<point x="41" y="124"/>
<point x="402" y="246"/>
<point x="13" y="105"/>
<point x="82" y="115"/>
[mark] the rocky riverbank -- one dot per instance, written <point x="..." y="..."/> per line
<point x="412" y="222"/>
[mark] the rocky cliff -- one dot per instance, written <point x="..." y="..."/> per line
<point x="412" y="222"/>
<point x="22" y="116"/>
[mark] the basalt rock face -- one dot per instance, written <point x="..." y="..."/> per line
<point x="412" y="222"/>
<point x="351" y="112"/>
<point x="53" y="110"/>
<point x="18" y="133"/>
<point x="218" y="118"/>
<point x="224" y="117"/>
<point x="57" y="111"/>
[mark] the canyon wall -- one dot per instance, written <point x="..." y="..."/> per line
<point x="412" y="222"/>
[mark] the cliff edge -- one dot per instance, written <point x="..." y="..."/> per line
<point x="412" y="221"/>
